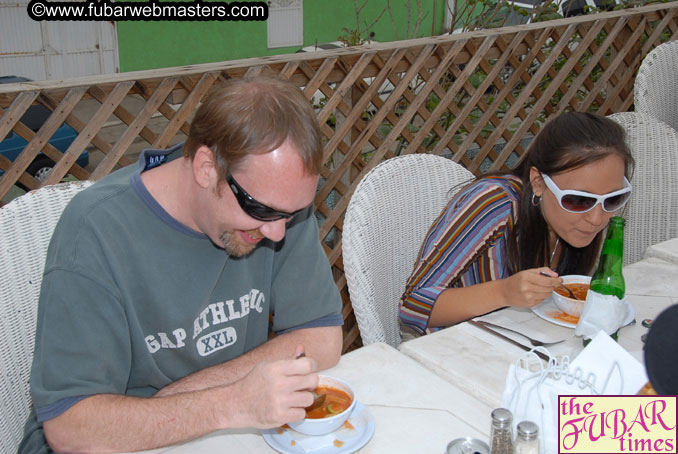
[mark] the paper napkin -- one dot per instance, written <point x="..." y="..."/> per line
<point x="532" y="388"/>
<point x="599" y="357"/>
<point x="602" y="312"/>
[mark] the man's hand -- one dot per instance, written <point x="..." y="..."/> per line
<point x="266" y="387"/>
<point x="271" y="394"/>
<point x="275" y="393"/>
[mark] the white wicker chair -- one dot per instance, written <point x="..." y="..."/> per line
<point x="655" y="89"/>
<point x="385" y="223"/>
<point x="26" y="226"/>
<point x="652" y="213"/>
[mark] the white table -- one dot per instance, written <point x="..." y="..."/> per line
<point x="414" y="409"/>
<point x="477" y="361"/>
<point x="443" y="386"/>
<point x="667" y="251"/>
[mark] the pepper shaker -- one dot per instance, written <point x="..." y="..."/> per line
<point x="501" y="434"/>
<point x="527" y="440"/>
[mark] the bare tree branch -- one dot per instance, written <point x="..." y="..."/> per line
<point x="417" y="25"/>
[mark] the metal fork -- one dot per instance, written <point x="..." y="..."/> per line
<point x="534" y="342"/>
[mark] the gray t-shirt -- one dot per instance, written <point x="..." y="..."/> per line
<point x="133" y="300"/>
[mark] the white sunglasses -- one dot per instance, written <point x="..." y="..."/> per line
<point x="581" y="202"/>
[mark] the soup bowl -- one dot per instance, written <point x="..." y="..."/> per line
<point x="336" y="414"/>
<point x="565" y="303"/>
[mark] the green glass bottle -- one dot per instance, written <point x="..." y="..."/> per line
<point x="608" y="278"/>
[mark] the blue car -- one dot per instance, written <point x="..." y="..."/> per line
<point x="34" y="118"/>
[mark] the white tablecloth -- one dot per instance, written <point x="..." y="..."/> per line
<point x="464" y="351"/>
<point x="443" y="386"/>
<point x="415" y="410"/>
<point x="667" y="251"/>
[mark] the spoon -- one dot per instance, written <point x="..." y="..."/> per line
<point x="561" y="285"/>
<point x="318" y="399"/>
<point x="569" y="291"/>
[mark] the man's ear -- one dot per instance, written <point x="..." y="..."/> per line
<point x="536" y="181"/>
<point x="204" y="167"/>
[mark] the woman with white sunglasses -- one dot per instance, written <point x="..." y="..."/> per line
<point x="487" y="248"/>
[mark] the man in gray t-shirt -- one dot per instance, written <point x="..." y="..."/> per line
<point x="179" y="293"/>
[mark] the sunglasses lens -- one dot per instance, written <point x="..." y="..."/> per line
<point x="262" y="213"/>
<point x="253" y="208"/>
<point x="577" y="202"/>
<point x="616" y="202"/>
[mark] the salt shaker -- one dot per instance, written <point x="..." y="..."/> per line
<point x="501" y="434"/>
<point x="527" y="441"/>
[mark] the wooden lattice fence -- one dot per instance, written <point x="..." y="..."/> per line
<point x="477" y="98"/>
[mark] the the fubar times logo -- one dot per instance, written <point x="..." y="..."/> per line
<point x="617" y="424"/>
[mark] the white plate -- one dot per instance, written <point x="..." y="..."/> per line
<point x="550" y="312"/>
<point x="289" y="441"/>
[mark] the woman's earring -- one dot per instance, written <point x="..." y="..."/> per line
<point x="536" y="200"/>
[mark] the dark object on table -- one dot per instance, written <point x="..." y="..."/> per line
<point x="660" y="352"/>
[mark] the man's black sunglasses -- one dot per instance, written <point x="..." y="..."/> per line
<point x="255" y="209"/>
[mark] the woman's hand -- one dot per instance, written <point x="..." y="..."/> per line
<point x="524" y="289"/>
<point x="529" y="288"/>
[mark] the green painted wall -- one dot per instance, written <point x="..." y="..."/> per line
<point x="150" y="45"/>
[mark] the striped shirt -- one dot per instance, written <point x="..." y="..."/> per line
<point x="466" y="245"/>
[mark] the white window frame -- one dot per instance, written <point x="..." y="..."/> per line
<point x="285" y="24"/>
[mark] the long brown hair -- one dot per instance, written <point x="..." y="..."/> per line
<point x="568" y="141"/>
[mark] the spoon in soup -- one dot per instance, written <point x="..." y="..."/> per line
<point x="318" y="399"/>
<point x="568" y="289"/>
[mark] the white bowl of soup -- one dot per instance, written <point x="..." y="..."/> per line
<point x="334" y="410"/>
<point x="579" y="285"/>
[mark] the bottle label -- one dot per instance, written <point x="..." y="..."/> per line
<point x="601" y="312"/>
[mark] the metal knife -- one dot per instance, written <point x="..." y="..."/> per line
<point x="508" y="339"/>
